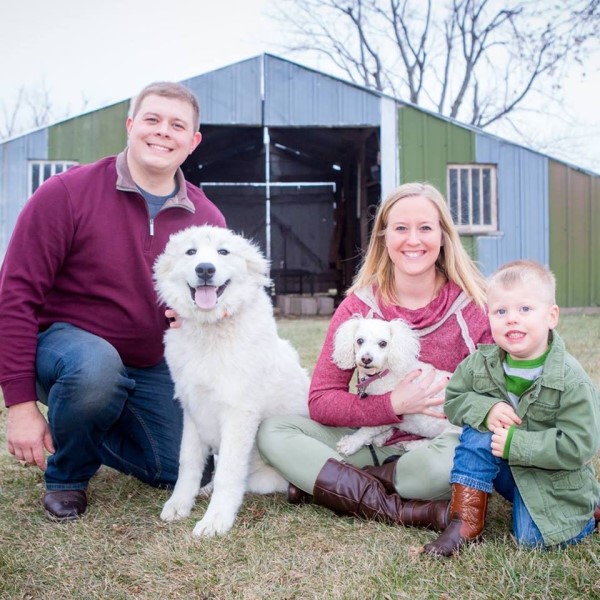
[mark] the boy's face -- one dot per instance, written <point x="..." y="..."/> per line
<point x="520" y="319"/>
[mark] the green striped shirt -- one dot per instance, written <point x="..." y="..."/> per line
<point x="520" y="374"/>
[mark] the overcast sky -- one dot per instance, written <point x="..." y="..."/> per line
<point x="106" y="51"/>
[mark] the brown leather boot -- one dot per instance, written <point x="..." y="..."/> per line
<point x="348" y="490"/>
<point x="467" y="519"/>
<point x="297" y="496"/>
<point x="64" y="505"/>
<point x="385" y="474"/>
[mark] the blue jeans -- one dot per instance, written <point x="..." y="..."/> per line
<point x="101" y="411"/>
<point x="476" y="467"/>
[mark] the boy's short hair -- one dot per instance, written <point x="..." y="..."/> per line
<point x="168" y="89"/>
<point x="525" y="272"/>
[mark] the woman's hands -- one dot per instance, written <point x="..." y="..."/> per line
<point x="416" y="394"/>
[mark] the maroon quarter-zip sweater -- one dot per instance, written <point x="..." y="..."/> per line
<point x="82" y="252"/>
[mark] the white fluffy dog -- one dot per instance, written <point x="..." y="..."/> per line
<point x="384" y="352"/>
<point x="230" y="368"/>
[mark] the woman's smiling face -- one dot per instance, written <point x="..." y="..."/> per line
<point x="413" y="236"/>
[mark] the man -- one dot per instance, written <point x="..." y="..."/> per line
<point x="81" y="326"/>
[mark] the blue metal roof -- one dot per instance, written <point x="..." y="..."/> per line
<point x="269" y="91"/>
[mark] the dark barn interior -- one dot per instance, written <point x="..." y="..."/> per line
<point x="304" y="194"/>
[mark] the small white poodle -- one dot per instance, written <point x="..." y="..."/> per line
<point x="383" y="353"/>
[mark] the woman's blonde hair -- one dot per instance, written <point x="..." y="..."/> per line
<point x="453" y="261"/>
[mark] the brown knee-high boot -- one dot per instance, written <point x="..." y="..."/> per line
<point x="348" y="490"/>
<point x="468" y="507"/>
<point x="384" y="472"/>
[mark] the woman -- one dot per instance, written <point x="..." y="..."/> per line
<point x="415" y="269"/>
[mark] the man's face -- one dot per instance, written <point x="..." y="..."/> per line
<point x="161" y="135"/>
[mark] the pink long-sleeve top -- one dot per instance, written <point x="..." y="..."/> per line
<point x="450" y="327"/>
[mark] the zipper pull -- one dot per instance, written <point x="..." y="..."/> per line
<point x="151" y="227"/>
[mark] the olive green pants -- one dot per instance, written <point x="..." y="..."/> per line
<point x="298" y="447"/>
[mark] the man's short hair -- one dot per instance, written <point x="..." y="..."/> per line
<point x="528" y="272"/>
<point x="168" y="89"/>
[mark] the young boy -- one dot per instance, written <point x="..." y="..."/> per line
<point x="531" y="422"/>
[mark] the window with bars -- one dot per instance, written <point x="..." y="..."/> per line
<point x="472" y="197"/>
<point x="40" y="170"/>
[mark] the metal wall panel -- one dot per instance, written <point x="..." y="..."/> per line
<point x="231" y="95"/>
<point x="428" y="144"/>
<point x="14" y="157"/>
<point x="574" y="240"/>
<point x="523" y="214"/>
<point x="296" y="96"/>
<point x="90" y="136"/>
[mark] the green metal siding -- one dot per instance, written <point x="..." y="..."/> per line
<point x="427" y="145"/>
<point x="574" y="242"/>
<point x="91" y="136"/>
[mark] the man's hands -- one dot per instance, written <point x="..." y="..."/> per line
<point x="173" y="317"/>
<point x="28" y="433"/>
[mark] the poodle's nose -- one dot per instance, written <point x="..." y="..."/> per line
<point x="366" y="360"/>
<point x="205" y="271"/>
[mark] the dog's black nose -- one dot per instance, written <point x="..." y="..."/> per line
<point x="367" y="360"/>
<point x="205" y="271"/>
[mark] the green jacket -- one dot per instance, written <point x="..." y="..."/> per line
<point x="551" y="451"/>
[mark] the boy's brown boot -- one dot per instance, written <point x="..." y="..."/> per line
<point x="468" y="507"/>
<point x="348" y="490"/>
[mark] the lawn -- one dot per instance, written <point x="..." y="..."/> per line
<point x="122" y="550"/>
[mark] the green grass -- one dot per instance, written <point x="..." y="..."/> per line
<point x="122" y="550"/>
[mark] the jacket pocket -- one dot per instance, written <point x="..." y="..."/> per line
<point x="484" y="385"/>
<point x="567" y="480"/>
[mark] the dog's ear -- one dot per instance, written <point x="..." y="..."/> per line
<point x="256" y="263"/>
<point x="343" y="344"/>
<point x="404" y="347"/>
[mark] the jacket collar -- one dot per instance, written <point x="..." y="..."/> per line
<point x="125" y="183"/>
<point x="553" y="375"/>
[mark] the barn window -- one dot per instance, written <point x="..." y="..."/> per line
<point x="472" y="197"/>
<point x="40" y="170"/>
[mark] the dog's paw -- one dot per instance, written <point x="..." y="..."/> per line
<point x="215" y="524"/>
<point x="173" y="510"/>
<point x="348" y="446"/>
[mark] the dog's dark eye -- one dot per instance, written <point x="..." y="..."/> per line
<point x="382" y="344"/>
<point x="191" y="251"/>
<point x="360" y="341"/>
<point x="223" y="252"/>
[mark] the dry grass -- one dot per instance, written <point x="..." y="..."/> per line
<point x="121" y="549"/>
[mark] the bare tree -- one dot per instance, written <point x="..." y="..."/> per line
<point x="9" y="115"/>
<point x="475" y="60"/>
<point x="31" y="108"/>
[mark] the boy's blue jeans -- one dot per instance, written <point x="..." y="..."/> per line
<point x="476" y="467"/>
<point x="103" y="412"/>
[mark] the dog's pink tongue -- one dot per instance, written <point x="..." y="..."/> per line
<point x="206" y="297"/>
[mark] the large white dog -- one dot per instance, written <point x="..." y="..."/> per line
<point x="231" y="370"/>
<point x="383" y="353"/>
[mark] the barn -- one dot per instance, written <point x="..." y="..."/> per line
<point x="298" y="160"/>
